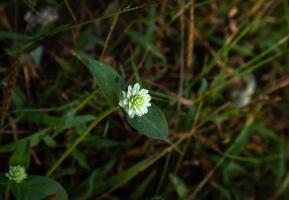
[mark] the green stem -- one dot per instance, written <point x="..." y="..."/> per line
<point x="100" y="117"/>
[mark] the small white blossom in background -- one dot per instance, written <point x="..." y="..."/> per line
<point x="16" y="173"/>
<point x="243" y="97"/>
<point x="135" y="101"/>
<point x="46" y="16"/>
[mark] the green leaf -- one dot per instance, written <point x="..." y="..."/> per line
<point x="33" y="140"/>
<point x="116" y="181"/>
<point x="145" y="43"/>
<point x="40" y="118"/>
<point x="37" y="187"/>
<point x="180" y="186"/>
<point x="140" y="190"/>
<point x="153" y="124"/>
<point x="80" y="158"/>
<point x="49" y="141"/>
<point x="109" y="81"/>
<point x="100" y="142"/>
<point x="4" y="35"/>
<point x="89" y="185"/>
<point x="65" y="121"/>
<point x="242" y="138"/>
<point x="22" y="155"/>
<point x="70" y="120"/>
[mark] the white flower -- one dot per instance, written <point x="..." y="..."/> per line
<point x="135" y="101"/>
<point x="16" y="173"/>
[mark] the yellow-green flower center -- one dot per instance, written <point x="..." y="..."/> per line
<point x="137" y="100"/>
<point x="16" y="173"/>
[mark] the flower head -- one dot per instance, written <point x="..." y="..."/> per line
<point x="16" y="173"/>
<point x="135" y="101"/>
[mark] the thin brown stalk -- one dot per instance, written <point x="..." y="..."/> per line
<point x="281" y="189"/>
<point x="190" y="47"/>
<point x="109" y="36"/>
<point x="182" y="50"/>
<point x="207" y="178"/>
<point x="8" y="89"/>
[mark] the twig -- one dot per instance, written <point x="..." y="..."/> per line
<point x="109" y="35"/>
<point x="190" y="47"/>
<point x="7" y="92"/>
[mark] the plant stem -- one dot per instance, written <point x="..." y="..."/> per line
<point x="100" y="117"/>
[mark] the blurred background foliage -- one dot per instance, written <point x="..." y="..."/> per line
<point x="218" y="69"/>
